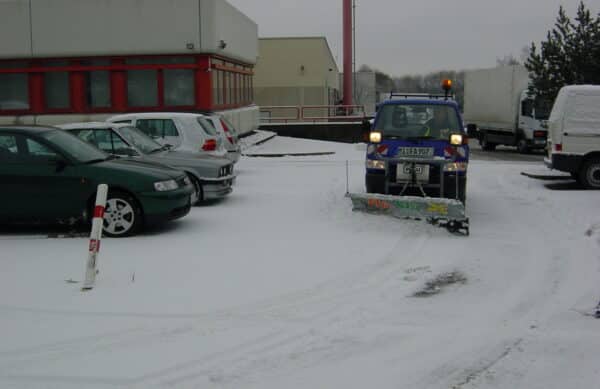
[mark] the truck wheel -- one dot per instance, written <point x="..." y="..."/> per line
<point x="375" y="185"/>
<point x="485" y="144"/>
<point x="590" y="174"/>
<point x="523" y="147"/>
<point x="450" y="190"/>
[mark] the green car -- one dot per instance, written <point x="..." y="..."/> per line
<point x="50" y="176"/>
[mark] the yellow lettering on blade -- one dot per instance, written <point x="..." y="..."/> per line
<point x="438" y="208"/>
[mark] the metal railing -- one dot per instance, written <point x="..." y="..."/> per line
<point x="312" y="113"/>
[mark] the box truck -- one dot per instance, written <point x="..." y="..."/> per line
<point x="498" y="109"/>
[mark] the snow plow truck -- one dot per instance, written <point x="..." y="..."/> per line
<point x="417" y="160"/>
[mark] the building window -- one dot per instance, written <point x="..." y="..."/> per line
<point x="142" y="88"/>
<point x="179" y="87"/>
<point x="215" y="86"/>
<point x="97" y="85"/>
<point x="14" y="91"/>
<point x="56" y="87"/>
<point x="230" y="87"/>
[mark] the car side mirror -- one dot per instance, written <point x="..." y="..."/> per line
<point x="128" y="152"/>
<point x="366" y="126"/>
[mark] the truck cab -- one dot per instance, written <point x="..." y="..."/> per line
<point x="532" y="123"/>
<point x="417" y="146"/>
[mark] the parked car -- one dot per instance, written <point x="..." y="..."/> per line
<point x="183" y="131"/>
<point x="51" y="176"/>
<point x="212" y="176"/>
<point x="229" y="134"/>
<point x="574" y="130"/>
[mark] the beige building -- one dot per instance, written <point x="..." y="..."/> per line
<point x="296" y="71"/>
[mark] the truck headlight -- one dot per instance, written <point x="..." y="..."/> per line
<point x="375" y="137"/>
<point x="456" y="139"/>
<point x="375" y="164"/>
<point x="456" y="167"/>
<point x="163" y="186"/>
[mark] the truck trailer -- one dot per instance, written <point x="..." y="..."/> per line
<point x="498" y="109"/>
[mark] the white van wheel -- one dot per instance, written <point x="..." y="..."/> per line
<point x="522" y="146"/>
<point x="590" y="174"/>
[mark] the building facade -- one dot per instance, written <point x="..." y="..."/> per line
<point x="73" y="60"/>
<point x="295" y="71"/>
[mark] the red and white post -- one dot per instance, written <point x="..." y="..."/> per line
<point x="95" y="237"/>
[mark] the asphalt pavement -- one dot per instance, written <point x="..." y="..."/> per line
<point x="504" y="153"/>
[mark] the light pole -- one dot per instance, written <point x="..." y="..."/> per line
<point x="347" y="30"/>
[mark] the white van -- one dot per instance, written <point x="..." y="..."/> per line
<point x="574" y="134"/>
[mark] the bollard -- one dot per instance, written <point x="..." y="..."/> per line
<point x="95" y="237"/>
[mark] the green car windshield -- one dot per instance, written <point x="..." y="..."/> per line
<point x="421" y="121"/>
<point x="139" y="140"/>
<point x="77" y="149"/>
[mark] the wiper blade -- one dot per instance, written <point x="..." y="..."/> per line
<point x="92" y="161"/>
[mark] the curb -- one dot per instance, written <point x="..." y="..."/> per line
<point x="279" y="155"/>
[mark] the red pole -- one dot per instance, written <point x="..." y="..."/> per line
<point x="347" y="52"/>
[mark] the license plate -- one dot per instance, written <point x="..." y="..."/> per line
<point x="404" y="172"/>
<point x="415" y="152"/>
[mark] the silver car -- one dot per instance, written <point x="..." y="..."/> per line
<point x="228" y="133"/>
<point x="212" y="177"/>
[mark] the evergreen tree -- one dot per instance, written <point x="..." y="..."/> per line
<point x="569" y="55"/>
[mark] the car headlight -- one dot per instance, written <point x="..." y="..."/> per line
<point x="375" y="164"/>
<point x="456" y="167"/>
<point x="375" y="137"/>
<point x="456" y="139"/>
<point x="163" y="186"/>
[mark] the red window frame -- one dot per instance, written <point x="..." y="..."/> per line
<point x="233" y="89"/>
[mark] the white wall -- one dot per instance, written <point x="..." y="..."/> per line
<point x="63" y="28"/>
<point x="221" y="21"/>
<point x="68" y="28"/>
<point x="244" y="119"/>
<point x="15" y="39"/>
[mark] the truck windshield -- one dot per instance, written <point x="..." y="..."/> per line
<point x="542" y="109"/>
<point x="427" y="121"/>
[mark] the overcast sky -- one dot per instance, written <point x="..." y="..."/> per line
<point x="412" y="37"/>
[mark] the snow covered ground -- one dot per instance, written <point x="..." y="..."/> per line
<point x="283" y="286"/>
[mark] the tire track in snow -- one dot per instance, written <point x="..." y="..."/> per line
<point x="543" y="274"/>
<point x="321" y="303"/>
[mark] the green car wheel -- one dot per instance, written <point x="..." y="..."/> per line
<point x="122" y="216"/>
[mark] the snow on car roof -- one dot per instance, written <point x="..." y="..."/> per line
<point x="155" y="115"/>
<point x="90" y="125"/>
<point x="582" y="88"/>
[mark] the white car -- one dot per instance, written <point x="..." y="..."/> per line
<point x="229" y="134"/>
<point x="187" y="132"/>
